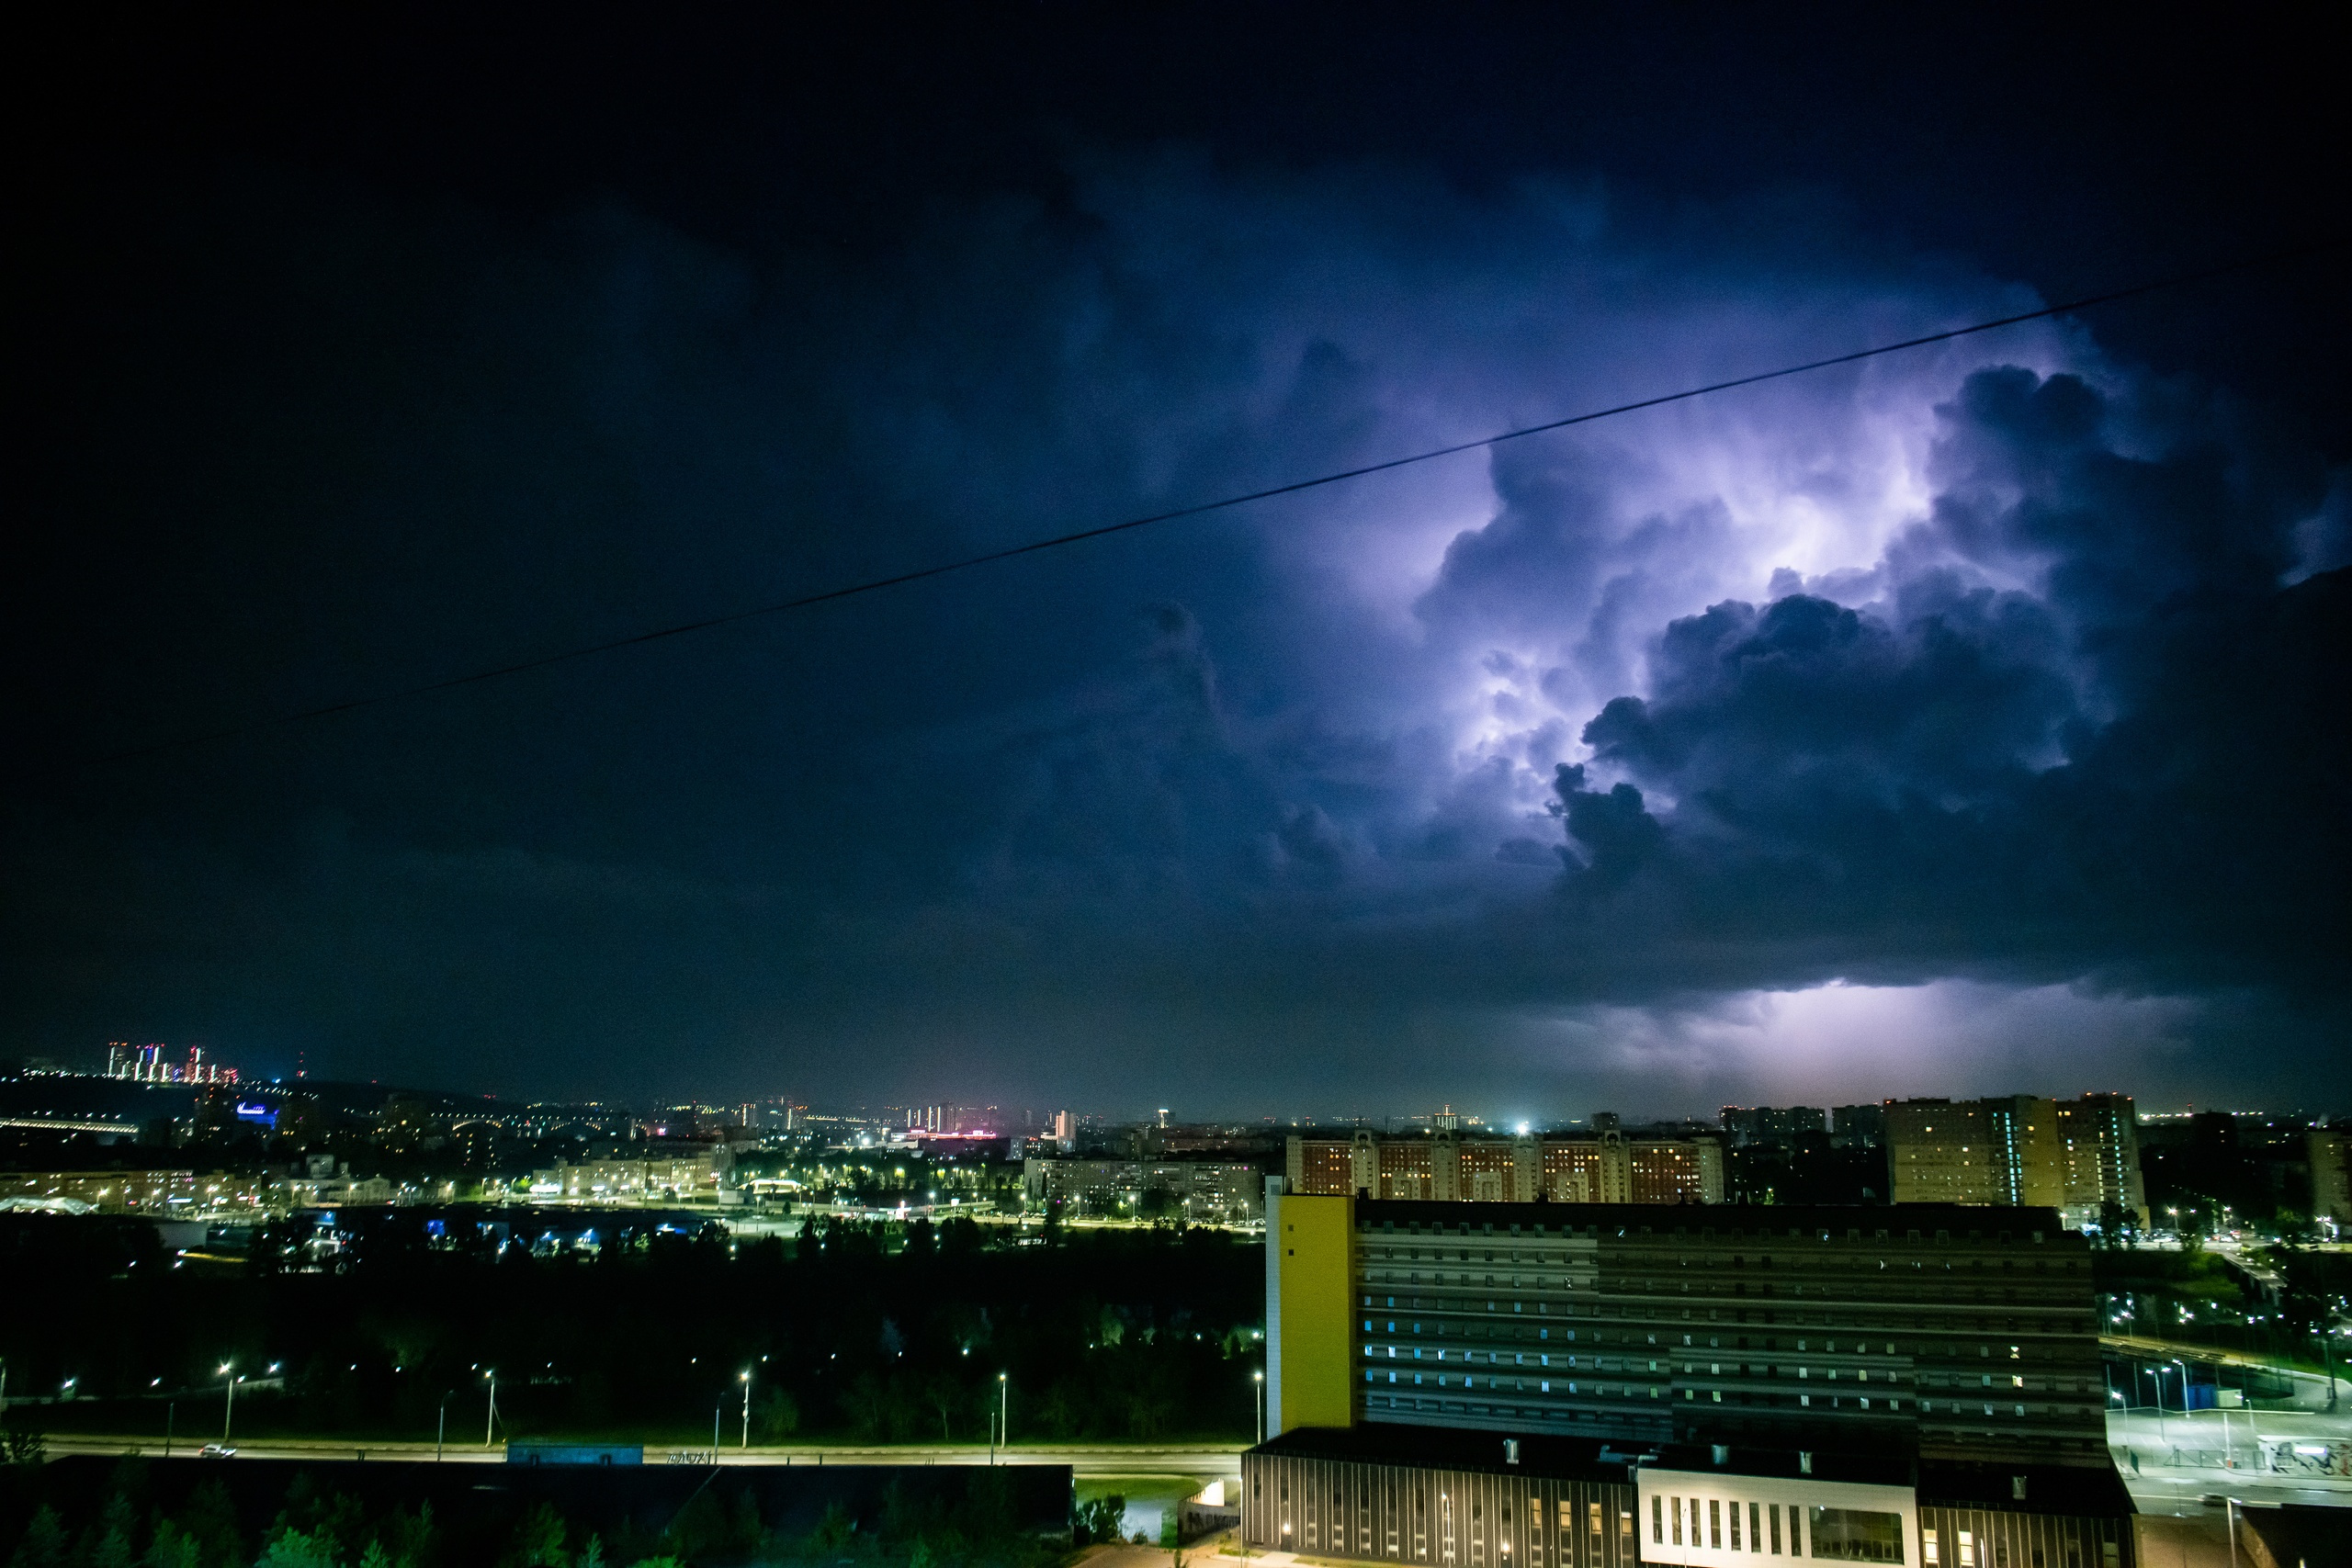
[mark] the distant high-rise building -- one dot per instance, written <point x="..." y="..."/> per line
<point x="1603" y="1167"/>
<point x="2079" y="1156"/>
<point x="2331" y="1159"/>
<point x="1859" y="1126"/>
<point x="2100" y="1136"/>
<point x="1772" y="1124"/>
<point x="148" y="1063"/>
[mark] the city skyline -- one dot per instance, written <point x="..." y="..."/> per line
<point x="1501" y="1116"/>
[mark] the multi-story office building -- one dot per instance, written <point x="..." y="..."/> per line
<point x="1490" y="1386"/>
<point x="1605" y="1166"/>
<point x="1474" y="1499"/>
<point x="1941" y="1329"/>
<point x="2080" y="1157"/>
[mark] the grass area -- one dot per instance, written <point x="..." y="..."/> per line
<point x="1151" y="1496"/>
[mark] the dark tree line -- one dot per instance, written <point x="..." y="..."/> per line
<point x="850" y="1331"/>
<point x="940" y="1520"/>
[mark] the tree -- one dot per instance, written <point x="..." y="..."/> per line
<point x="173" y="1546"/>
<point x="209" y="1520"/>
<point x="295" y="1548"/>
<point x="941" y="1392"/>
<point x="538" y="1541"/>
<point x="117" y="1526"/>
<point x="776" y="1416"/>
<point x="26" y="1447"/>
<point x="1102" y="1519"/>
<point x="43" y="1545"/>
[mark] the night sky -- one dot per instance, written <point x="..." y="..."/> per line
<point x="1971" y="720"/>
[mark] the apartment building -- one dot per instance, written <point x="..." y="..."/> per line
<point x="1212" y="1191"/>
<point x="1773" y="1123"/>
<point x="1604" y="1166"/>
<point x="160" y="1194"/>
<point x="2079" y="1156"/>
<point x="635" y="1180"/>
<point x="2327" y="1149"/>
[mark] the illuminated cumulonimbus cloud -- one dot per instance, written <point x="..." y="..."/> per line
<point x="1884" y="672"/>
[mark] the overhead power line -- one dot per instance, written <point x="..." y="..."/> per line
<point x="899" y="579"/>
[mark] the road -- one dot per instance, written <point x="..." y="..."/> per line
<point x="2231" y="1454"/>
<point x="2310" y="1386"/>
<point x="1085" y="1459"/>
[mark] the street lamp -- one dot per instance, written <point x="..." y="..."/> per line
<point x="1258" y="1379"/>
<point x="229" y="1410"/>
<point x="490" y="1422"/>
<point x="746" y="1411"/>
<point x="1003" y="1415"/>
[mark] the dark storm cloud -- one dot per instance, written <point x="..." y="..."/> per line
<point x="2006" y="694"/>
<point x="2135" y="766"/>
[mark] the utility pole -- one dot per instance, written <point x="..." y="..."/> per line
<point x="441" y="1433"/>
<point x="715" y="1410"/>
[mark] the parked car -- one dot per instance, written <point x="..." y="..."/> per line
<point x="216" y="1450"/>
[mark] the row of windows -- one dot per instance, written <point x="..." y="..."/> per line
<point x="1738" y="1260"/>
<point x="1644" y="1232"/>
<point x="2064" y="1338"/>
<point x="1596" y="1388"/>
<point x="1474" y="1328"/>
<point x="1603" y="1363"/>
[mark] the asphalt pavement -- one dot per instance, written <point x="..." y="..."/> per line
<point x="1085" y="1459"/>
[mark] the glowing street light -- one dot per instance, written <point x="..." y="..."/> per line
<point x="490" y="1422"/>
<point x="746" y="1380"/>
<point x="1260" y="1379"/>
<point x="229" y="1410"/>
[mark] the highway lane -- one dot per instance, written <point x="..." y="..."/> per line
<point x="1206" y="1460"/>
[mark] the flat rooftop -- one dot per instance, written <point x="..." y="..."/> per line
<point x="2092" y="1491"/>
